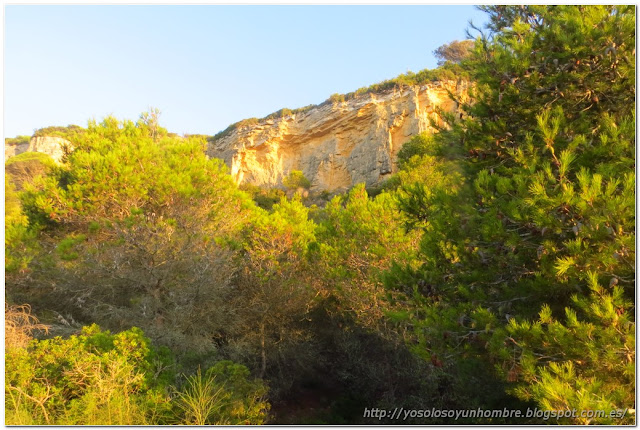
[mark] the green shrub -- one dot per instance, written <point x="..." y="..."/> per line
<point x="25" y="167"/>
<point x="284" y="112"/>
<point x="95" y="378"/>
<point x="68" y="132"/>
<point x="295" y="180"/>
<point x="336" y="98"/>
<point x="224" y="395"/>
<point x="418" y="146"/>
<point x="446" y="72"/>
<point x="19" y="240"/>
<point x="18" y="140"/>
<point x="99" y="378"/>
<point x="30" y="156"/>
<point x="67" y="246"/>
<point x="263" y="197"/>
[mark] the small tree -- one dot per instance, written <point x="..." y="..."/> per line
<point x="150" y="120"/>
<point x="295" y="180"/>
<point x="455" y="51"/>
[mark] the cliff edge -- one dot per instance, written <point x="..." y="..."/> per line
<point x="336" y="144"/>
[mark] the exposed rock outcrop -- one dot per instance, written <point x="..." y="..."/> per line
<point x="53" y="146"/>
<point x="336" y="145"/>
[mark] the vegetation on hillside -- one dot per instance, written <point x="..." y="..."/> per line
<point x="18" y="140"/>
<point x="494" y="270"/>
<point x="24" y="168"/>
<point x="448" y="70"/>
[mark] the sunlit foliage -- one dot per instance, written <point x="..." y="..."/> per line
<point x="542" y="227"/>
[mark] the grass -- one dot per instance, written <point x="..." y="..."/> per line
<point x="201" y="399"/>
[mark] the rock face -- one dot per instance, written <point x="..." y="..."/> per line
<point x="53" y="146"/>
<point x="336" y="145"/>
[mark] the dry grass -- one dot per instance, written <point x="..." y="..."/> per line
<point x="19" y="326"/>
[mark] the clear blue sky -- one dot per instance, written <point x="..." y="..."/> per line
<point x="207" y="66"/>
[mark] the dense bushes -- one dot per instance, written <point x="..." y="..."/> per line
<point x="99" y="378"/>
<point x="70" y="132"/>
<point x="143" y="242"/>
<point x="19" y="239"/>
<point x="25" y="167"/>
<point x="137" y="230"/>
<point x="18" y="140"/>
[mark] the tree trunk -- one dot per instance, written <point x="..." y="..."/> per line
<point x="263" y="367"/>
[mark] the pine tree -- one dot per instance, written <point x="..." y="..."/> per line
<point x="545" y="213"/>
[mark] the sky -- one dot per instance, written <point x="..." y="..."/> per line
<point x="207" y="66"/>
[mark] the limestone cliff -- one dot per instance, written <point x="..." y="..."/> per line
<point x="336" y="145"/>
<point x="53" y="146"/>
